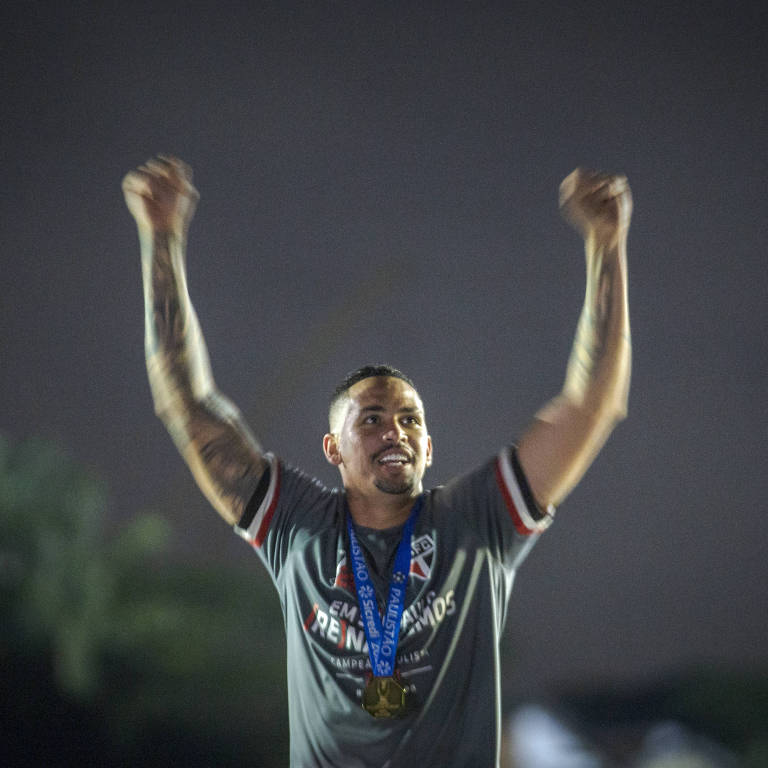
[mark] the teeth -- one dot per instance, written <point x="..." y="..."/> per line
<point x="393" y="457"/>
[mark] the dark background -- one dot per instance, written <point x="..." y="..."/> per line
<point x="379" y="184"/>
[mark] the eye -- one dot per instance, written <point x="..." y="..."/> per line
<point x="371" y="419"/>
<point x="410" y="420"/>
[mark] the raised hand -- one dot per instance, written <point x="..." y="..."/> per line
<point x="160" y="195"/>
<point x="598" y="205"/>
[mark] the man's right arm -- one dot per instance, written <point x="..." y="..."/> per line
<point x="225" y="458"/>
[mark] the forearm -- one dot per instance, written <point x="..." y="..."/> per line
<point x="177" y="359"/>
<point x="598" y="373"/>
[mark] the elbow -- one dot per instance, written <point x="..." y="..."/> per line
<point x="621" y="409"/>
<point x="602" y="416"/>
<point x="605" y="408"/>
<point x="174" y="421"/>
<point x="163" y="399"/>
<point x="164" y="412"/>
<point x="611" y="401"/>
<point x="613" y="412"/>
<point x="173" y="410"/>
<point x="621" y="402"/>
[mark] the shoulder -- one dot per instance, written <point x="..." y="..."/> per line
<point x="498" y="486"/>
<point x="287" y="497"/>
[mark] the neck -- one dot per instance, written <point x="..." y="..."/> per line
<point x="380" y="513"/>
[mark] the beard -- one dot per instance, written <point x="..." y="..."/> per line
<point x="396" y="488"/>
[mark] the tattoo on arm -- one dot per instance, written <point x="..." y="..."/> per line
<point x="207" y="428"/>
<point x="591" y="333"/>
<point x="601" y="331"/>
<point x="225" y="456"/>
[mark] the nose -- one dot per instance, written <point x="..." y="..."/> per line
<point x="394" y="433"/>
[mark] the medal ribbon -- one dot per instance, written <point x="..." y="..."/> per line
<point x="382" y="634"/>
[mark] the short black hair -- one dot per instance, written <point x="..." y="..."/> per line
<point x="366" y="372"/>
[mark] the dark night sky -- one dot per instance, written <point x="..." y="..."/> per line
<point x="379" y="183"/>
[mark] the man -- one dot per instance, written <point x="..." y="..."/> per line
<point x="394" y="598"/>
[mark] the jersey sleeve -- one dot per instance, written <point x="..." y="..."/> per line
<point x="286" y="503"/>
<point x="497" y="503"/>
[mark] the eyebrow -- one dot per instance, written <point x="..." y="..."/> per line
<point x="379" y="408"/>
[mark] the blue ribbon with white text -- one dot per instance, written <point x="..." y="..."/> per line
<point x="382" y="633"/>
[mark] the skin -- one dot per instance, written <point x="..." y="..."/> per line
<point x="381" y="446"/>
<point x="225" y="458"/>
<point x="381" y="415"/>
<point x="567" y="433"/>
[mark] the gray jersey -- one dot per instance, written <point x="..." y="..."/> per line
<point x="470" y="536"/>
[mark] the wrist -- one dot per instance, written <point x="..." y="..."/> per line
<point x="607" y="243"/>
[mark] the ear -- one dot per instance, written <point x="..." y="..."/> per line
<point x="428" y="462"/>
<point x="331" y="449"/>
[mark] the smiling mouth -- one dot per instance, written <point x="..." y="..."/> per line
<point x="394" y="458"/>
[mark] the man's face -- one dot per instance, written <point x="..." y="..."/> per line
<point x="380" y="439"/>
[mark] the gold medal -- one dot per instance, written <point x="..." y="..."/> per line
<point x="384" y="697"/>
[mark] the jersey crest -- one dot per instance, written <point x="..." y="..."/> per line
<point x="422" y="552"/>
<point x="344" y="577"/>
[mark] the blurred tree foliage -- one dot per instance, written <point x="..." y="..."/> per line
<point x="115" y="654"/>
<point x="729" y="705"/>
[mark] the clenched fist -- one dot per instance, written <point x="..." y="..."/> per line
<point x="598" y="205"/>
<point x="160" y="195"/>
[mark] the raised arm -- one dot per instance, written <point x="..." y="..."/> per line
<point x="226" y="460"/>
<point x="568" y="432"/>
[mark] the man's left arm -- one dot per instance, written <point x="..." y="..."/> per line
<point x="567" y="433"/>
